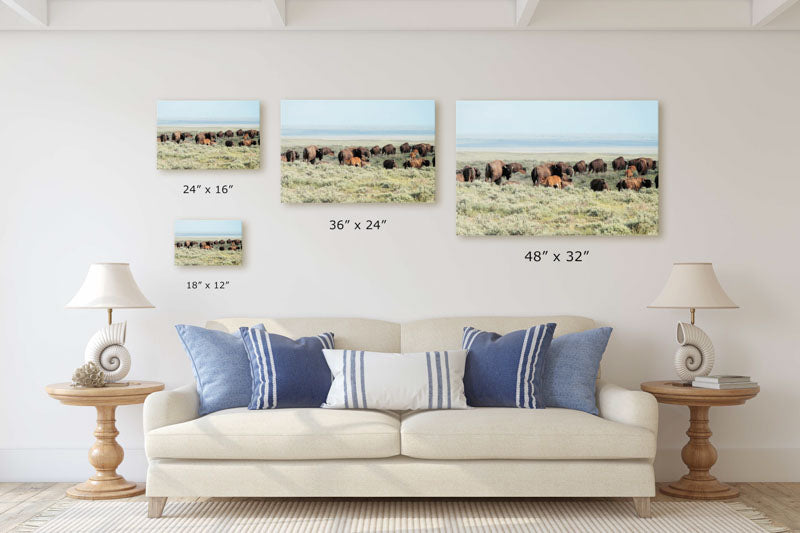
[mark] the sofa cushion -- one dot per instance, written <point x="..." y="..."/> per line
<point x="510" y="433"/>
<point x="506" y="370"/>
<point x="376" y="380"/>
<point x="281" y="434"/>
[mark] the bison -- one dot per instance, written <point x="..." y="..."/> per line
<point x="629" y="172"/>
<point x="495" y="171"/>
<point x="405" y="148"/>
<point x="597" y="166"/>
<point x="310" y="154"/>
<point x="228" y="143"/>
<point x="239" y="132"/>
<point x="516" y="167"/>
<point x="355" y="161"/>
<point x="598" y="184"/>
<point x="326" y="150"/>
<point x="199" y="138"/>
<point x="414" y="162"/>
<point x="469" y="173"/>
<point x="389" y="149"/>
<point x="634" y="184"/>
<point x="389" y="164"/>
<point x="618" y="163"/>
<point x="376" y="150"/>
<point x="642" y="166"/>
<point x="553" y="181"/>
<point x="208" y="142"/>
<point x="229" y="133"/>
<point x="163" y="138"/>
<point x="580" y="167"/>
<point x="283" y="156"/>
<point x="459" y="176"/>
<point x="539" y="174"/>
<point x="291" y="156"/>
<point x="423" y="149"/>
<point x="246" y="142"/>
<point x="345" y="155"/>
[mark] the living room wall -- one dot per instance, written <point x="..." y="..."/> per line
<point x="78" y="184"/>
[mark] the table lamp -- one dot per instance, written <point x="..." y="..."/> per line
<point x="693" y="286"/>
<point x="109" y="286"/>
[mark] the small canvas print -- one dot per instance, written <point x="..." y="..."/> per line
<point x="208" y="242"/>
<point x="557" y="167"/>
<point x="358" y="151"/>
<point x="208" y="134"/>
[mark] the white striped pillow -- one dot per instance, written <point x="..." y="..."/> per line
<point x="400" y="382"/>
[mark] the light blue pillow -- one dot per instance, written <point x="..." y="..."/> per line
<point x="220" y="365"/>
<point x="571" y="367"/>
<point x="286" y="372"/>
<point x="506" y="371"/>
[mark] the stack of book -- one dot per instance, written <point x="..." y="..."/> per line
<point x="723" y="382"/>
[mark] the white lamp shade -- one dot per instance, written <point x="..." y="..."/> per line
<point x="109" y="286"/>
<point x="693" y="285"/>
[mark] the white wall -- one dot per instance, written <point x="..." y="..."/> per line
<point x="78" y="184"/>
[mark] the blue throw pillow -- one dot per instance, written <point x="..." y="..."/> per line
<point x="506" y="371"/>
<point x="286" y="372"/>
<point x="571" y="367"/>
<point x="220" y="365"/>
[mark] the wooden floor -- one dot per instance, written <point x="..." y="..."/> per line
<point x="21" y="501"/>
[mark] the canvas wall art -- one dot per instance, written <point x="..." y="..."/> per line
<point x="557" y="167"/>
<point x="358" y="151"/>
<point x="208" y="134"/>
<point x="208" y="242"/>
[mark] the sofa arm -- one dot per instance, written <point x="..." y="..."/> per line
<point x="171" y="407"/>
<point x="635" y="408"/>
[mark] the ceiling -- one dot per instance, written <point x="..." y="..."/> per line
<point x="642" y="15"/>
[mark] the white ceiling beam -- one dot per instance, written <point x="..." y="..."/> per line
<point x="278" y="10"/>
<point x="34" y="11"/>
<point x="525" y="10"/>
<point x="765" y="11"/>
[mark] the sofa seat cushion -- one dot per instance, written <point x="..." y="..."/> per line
<point x="279" y="434"/>
<point x="509" y="433"/>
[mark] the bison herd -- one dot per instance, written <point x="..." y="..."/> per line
<point x="221" y="245"/>
<point x="560" y="175"/>
<point x="359" y="156"/>
<point x="208" y="138"/>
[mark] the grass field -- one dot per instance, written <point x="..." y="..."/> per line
<point x="519" y="208"/>
<point x="188" y="155"/>
<point x="329" y="182"/>
<point x="195" y="256"/>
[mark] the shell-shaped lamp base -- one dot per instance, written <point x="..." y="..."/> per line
<point x="106" y="349"/>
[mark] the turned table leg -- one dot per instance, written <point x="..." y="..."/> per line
<point x="699" y="455"/>
<point x="105" y="455"/>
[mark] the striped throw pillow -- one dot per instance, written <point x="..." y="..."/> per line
<point x="286" y="372"/>
<point x="409" y="381"/>
<point x="506" y="370"/>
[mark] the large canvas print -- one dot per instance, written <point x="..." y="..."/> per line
<point x="208" y="134"/>
<point x="358" y="151"/>
<point x="557" y="167"/>
<point x="208" y="242"/>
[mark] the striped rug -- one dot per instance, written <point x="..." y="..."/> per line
<point x="310" y="515"/>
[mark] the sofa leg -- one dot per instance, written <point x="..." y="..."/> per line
<point x="642" y="506"/>
<point x="155" y="506"/>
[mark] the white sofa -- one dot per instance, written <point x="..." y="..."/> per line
<point x="481" y="452"/>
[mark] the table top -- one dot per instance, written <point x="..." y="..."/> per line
<point x="673" y="392"/>
<point x="133" y="393"/>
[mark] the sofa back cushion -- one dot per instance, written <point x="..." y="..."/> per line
<point x="447" y="333"/>
<point x="351" y="333"/>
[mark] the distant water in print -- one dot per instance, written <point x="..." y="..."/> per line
<point x="354" y="133"/>
<point x="557" y="144"/>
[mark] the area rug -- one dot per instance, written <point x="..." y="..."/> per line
<point x="310" y="515"/>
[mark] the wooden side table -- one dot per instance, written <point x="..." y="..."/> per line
<point x="698" y="454"/>
<point x="106" y="454"/>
